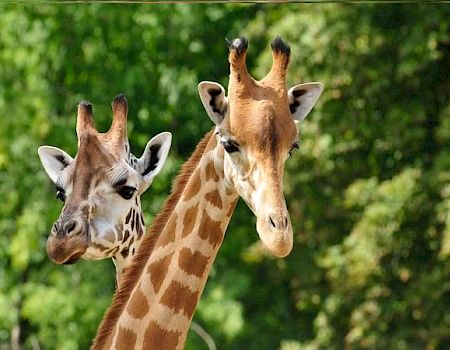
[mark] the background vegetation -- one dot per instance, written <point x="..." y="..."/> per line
<point x="369" y="190"/>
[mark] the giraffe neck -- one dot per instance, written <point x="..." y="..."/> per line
<point x="160" y="307"/>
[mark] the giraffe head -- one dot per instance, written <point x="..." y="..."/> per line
<point x="257" y="128"/>
<point x="100" y="187"/>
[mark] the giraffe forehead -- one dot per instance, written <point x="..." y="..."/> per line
<point x="263" y="126"/>
<point x="96" y="163"/>
<point x="93" y="151"/>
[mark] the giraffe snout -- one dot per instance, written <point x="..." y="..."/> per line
<point x="67" y="242"/>
<point x="275" y="230"/>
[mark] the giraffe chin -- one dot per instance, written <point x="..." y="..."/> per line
<point x="73" y="259"/>
<point x="66" y="250"/>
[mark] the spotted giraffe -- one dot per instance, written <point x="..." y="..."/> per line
<point x="101" y="189"/>
<point x="244" y="157"/>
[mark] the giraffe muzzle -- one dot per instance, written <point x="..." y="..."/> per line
<point x="275" y="231"/>
<point x="68" y="241"/>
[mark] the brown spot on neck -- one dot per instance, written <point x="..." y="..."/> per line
<point x="214" y="198"/>
<point x="211" y="173"/>
<point x="158" y="271"/>
<point x="168" y="235"/>
<point x="126" y="339"/>
<point x="193" y="187"/>
<point x="210" y="230"/>
<point x="156" y="337"/>
<point x="231" y="209"/>
<point x="189" y="220"/>
<point x="138" y="306"/>
<point x="180" y="299"/>
<point x="192" y="263"/>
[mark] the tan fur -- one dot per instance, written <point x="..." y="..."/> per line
<point x="133" y="274"/>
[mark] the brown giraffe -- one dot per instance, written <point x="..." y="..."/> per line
<point x="101" y="190"/>
<point x="245" y="155"/>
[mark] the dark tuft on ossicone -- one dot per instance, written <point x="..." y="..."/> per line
<point x="238" y="44"/>
<point x="119" y="99"/>
<point x="278" y="45"/>
<point x="85" y="105"/>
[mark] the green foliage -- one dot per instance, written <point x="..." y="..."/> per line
<point x="368" y="192"/>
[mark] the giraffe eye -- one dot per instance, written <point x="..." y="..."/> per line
<point x="230" y="146"/>
<point x="126" y="192"/>
<point x="60" y="194"/>
<point x="294" y="146"/>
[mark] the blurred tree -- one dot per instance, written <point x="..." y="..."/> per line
<point x="369" y="191"/>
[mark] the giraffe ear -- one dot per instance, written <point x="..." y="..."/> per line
<point x="302" y="99"/>
<point x="214" y="100"/>
<point x="154" y="156"/>
<point x="54" y="161"/>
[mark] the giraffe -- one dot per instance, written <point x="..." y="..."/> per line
<point x="243" y="157"/>
<point x="101" y="189"/>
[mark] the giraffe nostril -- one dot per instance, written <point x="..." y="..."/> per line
<point x="70" y="227"/>
<point x="271" y="222"/>
<point x="278" y="222"/>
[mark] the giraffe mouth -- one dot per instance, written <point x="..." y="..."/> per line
<point x="66" y="250"/>
<point x="73" y="259"/>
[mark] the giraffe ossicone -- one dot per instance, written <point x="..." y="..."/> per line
<point x="101" y="189"/>
<point x="244" y="157"/>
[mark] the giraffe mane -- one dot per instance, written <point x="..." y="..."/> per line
<point x="133" y="273"/>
